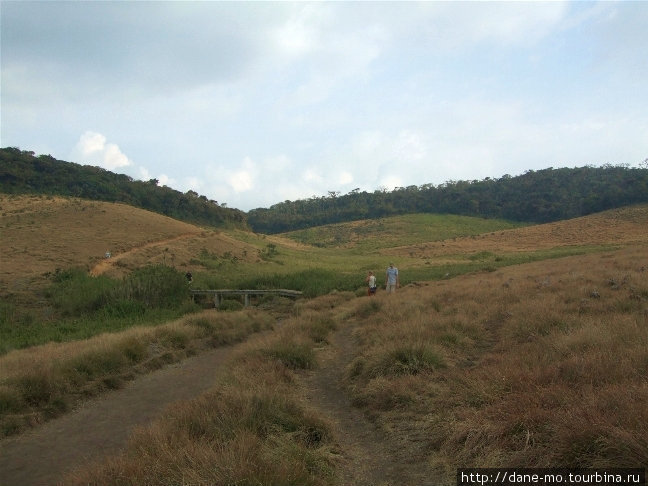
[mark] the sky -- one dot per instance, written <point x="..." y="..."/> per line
<point x="255" y="103"/>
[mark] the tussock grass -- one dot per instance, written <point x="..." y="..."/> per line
<point x="44" y="381"/>
<point x="540" y="365"/>
<point x="253" y="428"/>
<point x="84" y="306"/>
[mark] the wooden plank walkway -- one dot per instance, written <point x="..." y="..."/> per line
<point x="218" y="294"/>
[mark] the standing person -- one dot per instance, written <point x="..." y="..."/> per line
<point x="391" y="278"/>
<point x="371" y="280"/>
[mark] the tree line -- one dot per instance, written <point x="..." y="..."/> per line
<point x="22" y="172"/>
<point x="536" y="197"/>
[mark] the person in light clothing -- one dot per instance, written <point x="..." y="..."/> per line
<point x="371" y="280"/>
<point x="391" y="279"/>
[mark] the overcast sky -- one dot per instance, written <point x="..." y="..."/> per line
<point x="255" y="103"/>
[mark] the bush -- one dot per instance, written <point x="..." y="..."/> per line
<point x="230" y="305"/>
<point x="154" y="286"/>
<point x="76" y="293"/>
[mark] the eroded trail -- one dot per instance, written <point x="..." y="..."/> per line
<point x="107" y="263"/>
<point x="368" y="458"/>
<point x="102" y="426"/>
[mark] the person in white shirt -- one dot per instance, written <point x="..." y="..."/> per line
<point x="392" y="279"/>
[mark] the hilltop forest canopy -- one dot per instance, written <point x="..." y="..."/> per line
<point x="536" y="197"/>
<point x="21" y="172"/>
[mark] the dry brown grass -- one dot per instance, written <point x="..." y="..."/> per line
<point x="539" y="365"/>
<point x="40" y="382"/>
<point x="41" y="234"/>
<point x="618" y="227"/>
<point x="544" y="364"/>
<point x="255" y="428"/>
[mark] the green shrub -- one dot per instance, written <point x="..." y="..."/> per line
<point x="230" y="305"/>
<point x="124" y="308"/>
<point x="154" y="286"/>
<point x="75" y="293"/>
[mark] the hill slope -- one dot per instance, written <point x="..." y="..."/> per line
<point x="532" y="365"/>
<point x="21" y="172"/>
<point x="42" y="234"/>
<point x="536" y="196"/>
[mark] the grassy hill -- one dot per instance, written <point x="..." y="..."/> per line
<point x="46" y="234"/>
<point x="506" y="346"/>
<point x="22" y="172"/>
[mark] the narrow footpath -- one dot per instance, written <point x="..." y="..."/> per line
<point x="369" y="459"/>
<point x="102" y="426"/>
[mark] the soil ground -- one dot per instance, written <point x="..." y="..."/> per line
<point x="368" y="459"/>
<point x="101" y="427"/>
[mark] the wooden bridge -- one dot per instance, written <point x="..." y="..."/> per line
<point x="217" y="295"/>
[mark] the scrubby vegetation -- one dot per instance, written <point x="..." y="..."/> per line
<point x="506" y="346"/>
<point x="22" y="172"/>
<point x="83" y="306"/>
<point x="541" y="365"/>
<point x="253" y="428"/>
<point x="50" y="379"/>
<point x="535" y="196"/>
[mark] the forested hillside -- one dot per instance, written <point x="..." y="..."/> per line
<point x="21" y="172"/>
<point x="536" y="196"/>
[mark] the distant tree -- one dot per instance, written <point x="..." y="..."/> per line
<point x="21" y="172"/>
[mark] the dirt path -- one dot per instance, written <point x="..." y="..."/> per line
<point x="107" y="263"/>
<point x="369" y="459"/>
<point x="102" y="426"/>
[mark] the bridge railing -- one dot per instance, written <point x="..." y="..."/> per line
<point x="218" y="294"/>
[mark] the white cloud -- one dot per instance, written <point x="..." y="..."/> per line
<point x="193" y="183"/>
<point x="391" y="181"/>
<point x="299" y="34"/>
<point x="312" y="175"/>
<point x="409" y="146"/>
<point x="242" y="179"/>
<point x="164" y="180"/>
<point x="278" y="163"/>
<point x="92" y="149"/>
<point x="345" y="178"/>
<point x="145" y="175"/>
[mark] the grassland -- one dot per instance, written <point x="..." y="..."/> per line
<point x="537" y="365"/>
<point x="506" y="346"/>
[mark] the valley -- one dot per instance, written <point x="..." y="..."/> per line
<point x="507" y="345"/>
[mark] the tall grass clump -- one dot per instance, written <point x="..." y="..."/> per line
<point x="154" y="286"/>
<point x="42" y="382"/>
<point x="76" y="293"/>
<point x="85" y="306"/>
<point x="531" y="366"/>
<point x="252" y="428"/>
<point x="313" y="282"/>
